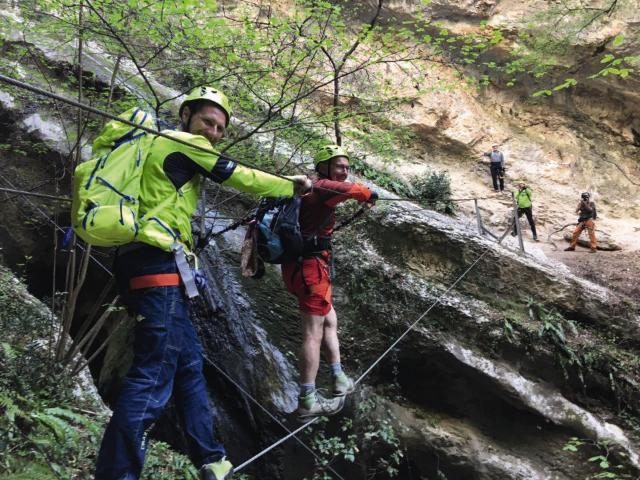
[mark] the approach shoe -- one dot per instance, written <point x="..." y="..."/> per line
<point x="570" y="249"/>
<point x="220" y="470"/>
<point x="315" y="405"/>
<point x="342" y="385"/>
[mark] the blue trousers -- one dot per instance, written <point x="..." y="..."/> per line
<point x="167" y="359"/>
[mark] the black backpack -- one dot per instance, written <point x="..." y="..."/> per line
<point x="279" y="237"/>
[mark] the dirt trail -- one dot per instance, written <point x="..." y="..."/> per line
<point x="553" y="207"/>
<point x="619" y="270"/>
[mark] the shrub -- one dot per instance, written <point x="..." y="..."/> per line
<point x="433" y="189"/>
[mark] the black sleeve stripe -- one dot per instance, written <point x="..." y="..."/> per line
<point x="222" y="170"/>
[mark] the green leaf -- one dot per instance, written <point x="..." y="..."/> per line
<point x="569" y="82"/>
<point x="618" y="40"/>
<point x="540" y="93"/>
<point x="607" y="58"/>
<point x="606" y="475"/>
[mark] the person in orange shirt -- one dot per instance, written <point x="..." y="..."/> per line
<point x="309" y="280"/>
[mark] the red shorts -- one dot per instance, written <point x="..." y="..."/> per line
<point x="309" y="282"/>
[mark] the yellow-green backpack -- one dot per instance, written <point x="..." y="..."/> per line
<point x="106" y="188"/>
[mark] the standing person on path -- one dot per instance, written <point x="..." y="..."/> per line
<point x="587" y="214"/>
<point x="309" y="280"/>
<point x="497" y="167"/>
<point x="167" y="352"/>
<point x="523" y="200"/>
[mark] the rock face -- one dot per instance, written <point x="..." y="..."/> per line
<point x="508" y="356"/>
<point x="460" y="367"/>
<point x="448" y="10"/>
<point x="583" y="138"/>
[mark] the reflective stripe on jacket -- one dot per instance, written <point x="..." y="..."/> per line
<point x="171" y="181"/>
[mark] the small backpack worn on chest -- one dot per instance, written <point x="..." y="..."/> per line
<point x="106" y="188"/>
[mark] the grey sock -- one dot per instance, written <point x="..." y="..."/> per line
<point x="307" y="388"/>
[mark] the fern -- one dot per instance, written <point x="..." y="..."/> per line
<point x="11" y="410"/>
<point x="8" y="351"/>
<point x="62" y="429"/>
<point x="76" y="418"/>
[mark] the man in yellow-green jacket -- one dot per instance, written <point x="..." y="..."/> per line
<point x="167" y="351"/>
<point x="525" y="206"/>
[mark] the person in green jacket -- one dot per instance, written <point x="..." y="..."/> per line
<point x="167" y="352"/>
<point x="523" y="200"/>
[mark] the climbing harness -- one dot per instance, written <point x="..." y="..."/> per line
<point x="185" y="269"/>
<point x="152" y="281"/>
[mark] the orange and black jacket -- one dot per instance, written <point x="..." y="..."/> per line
<point x="317" y="212"/>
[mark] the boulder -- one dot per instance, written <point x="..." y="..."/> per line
<point x="605" y="242"/>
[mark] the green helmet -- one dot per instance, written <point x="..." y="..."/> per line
<point x="211" y="94"/>
<point x="328" y="152"/>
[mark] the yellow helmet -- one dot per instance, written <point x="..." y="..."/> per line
<point x="208" y="93"/>
<point x="328" y="152"/>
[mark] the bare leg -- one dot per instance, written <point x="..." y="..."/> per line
<point x="330" y="337"/>
<point x="310" y="352"/>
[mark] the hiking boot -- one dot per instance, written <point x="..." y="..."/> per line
<point x="535" y="239"/>
<point x="569" y="249"/>
<point x="315" y="405"/>
<point x="342" y="385"/>
<point x="513" y="234"/>
<point x="220" y="470"/>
